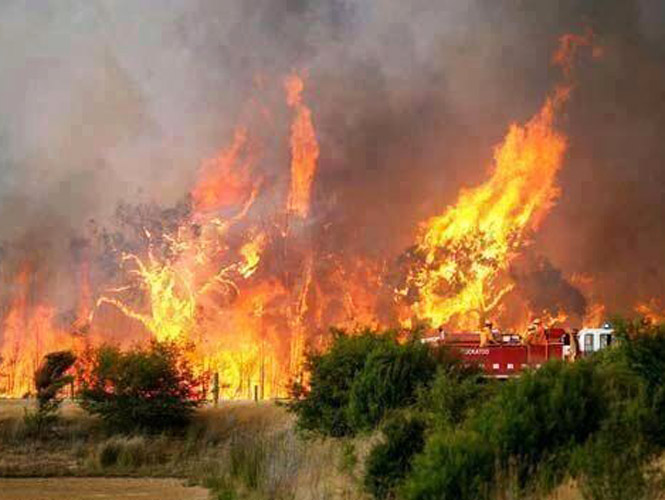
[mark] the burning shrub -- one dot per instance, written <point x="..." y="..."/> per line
<point x="149" y="388"/>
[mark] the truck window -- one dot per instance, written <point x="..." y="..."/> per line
<point x="605" y="340"/>
<point x="588" y="342"/>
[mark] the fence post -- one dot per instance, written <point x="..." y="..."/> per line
<point x="215" y="389"/>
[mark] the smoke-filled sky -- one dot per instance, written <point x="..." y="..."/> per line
<point x="106" y="102"/>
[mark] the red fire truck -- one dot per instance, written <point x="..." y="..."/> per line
<point x="506" y="355"/>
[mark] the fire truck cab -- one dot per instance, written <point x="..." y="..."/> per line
<point x="591" y="340"/>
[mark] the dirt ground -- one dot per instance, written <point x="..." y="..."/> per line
<point x="98" y="488"/>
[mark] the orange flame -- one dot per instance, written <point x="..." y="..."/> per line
<point x="652" y="311"/>
<point x="28" y="334"/>
<point x="304" y="149"/>
<point x="225" y="180"/>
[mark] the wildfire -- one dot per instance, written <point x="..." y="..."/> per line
<point x="208" y="292"/>
<point x="595" y="315"/>
<point x="228" y="279"/>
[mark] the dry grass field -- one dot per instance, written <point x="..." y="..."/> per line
<point x="244" y="448"/>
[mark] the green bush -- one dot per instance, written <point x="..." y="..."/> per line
<point x="526" y="432"/>
<point x="609" y="466"/>
<point x="455" y="465"/>
<point x="643" y="347"/>
<point x="322" y="406"/>
<point x="642" y="351"/>
<point x="390" y="461"/>
<point x="150" y="389"/>
<point x="600" y="421"/>
<point x="534" y="421"/>
<point x="389" y="379"/>
<point x="616" y="461"/>
<point x="455" y="392"/>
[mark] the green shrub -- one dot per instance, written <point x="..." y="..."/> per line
<point x="643" y="347"/>
<point x="390" y="461"/>
<point x="455" y="392"/>
<point x="149" y="389"/>
<point x="322" y="406"/>
<point x="455" y="465"/>
<point x="614" y="463"/>
<point x="391" y="375"/>
<point x="526" y="432"/>
<point x="598" y="420"/>
<point x="642" y="351"/>
<point x="608" y="467"/>
<point x="535" y="421"/>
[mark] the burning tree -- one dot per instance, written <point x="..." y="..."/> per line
<point x="461" y="261"/>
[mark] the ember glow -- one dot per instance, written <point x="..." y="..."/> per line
<point x="246" y="274"/>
